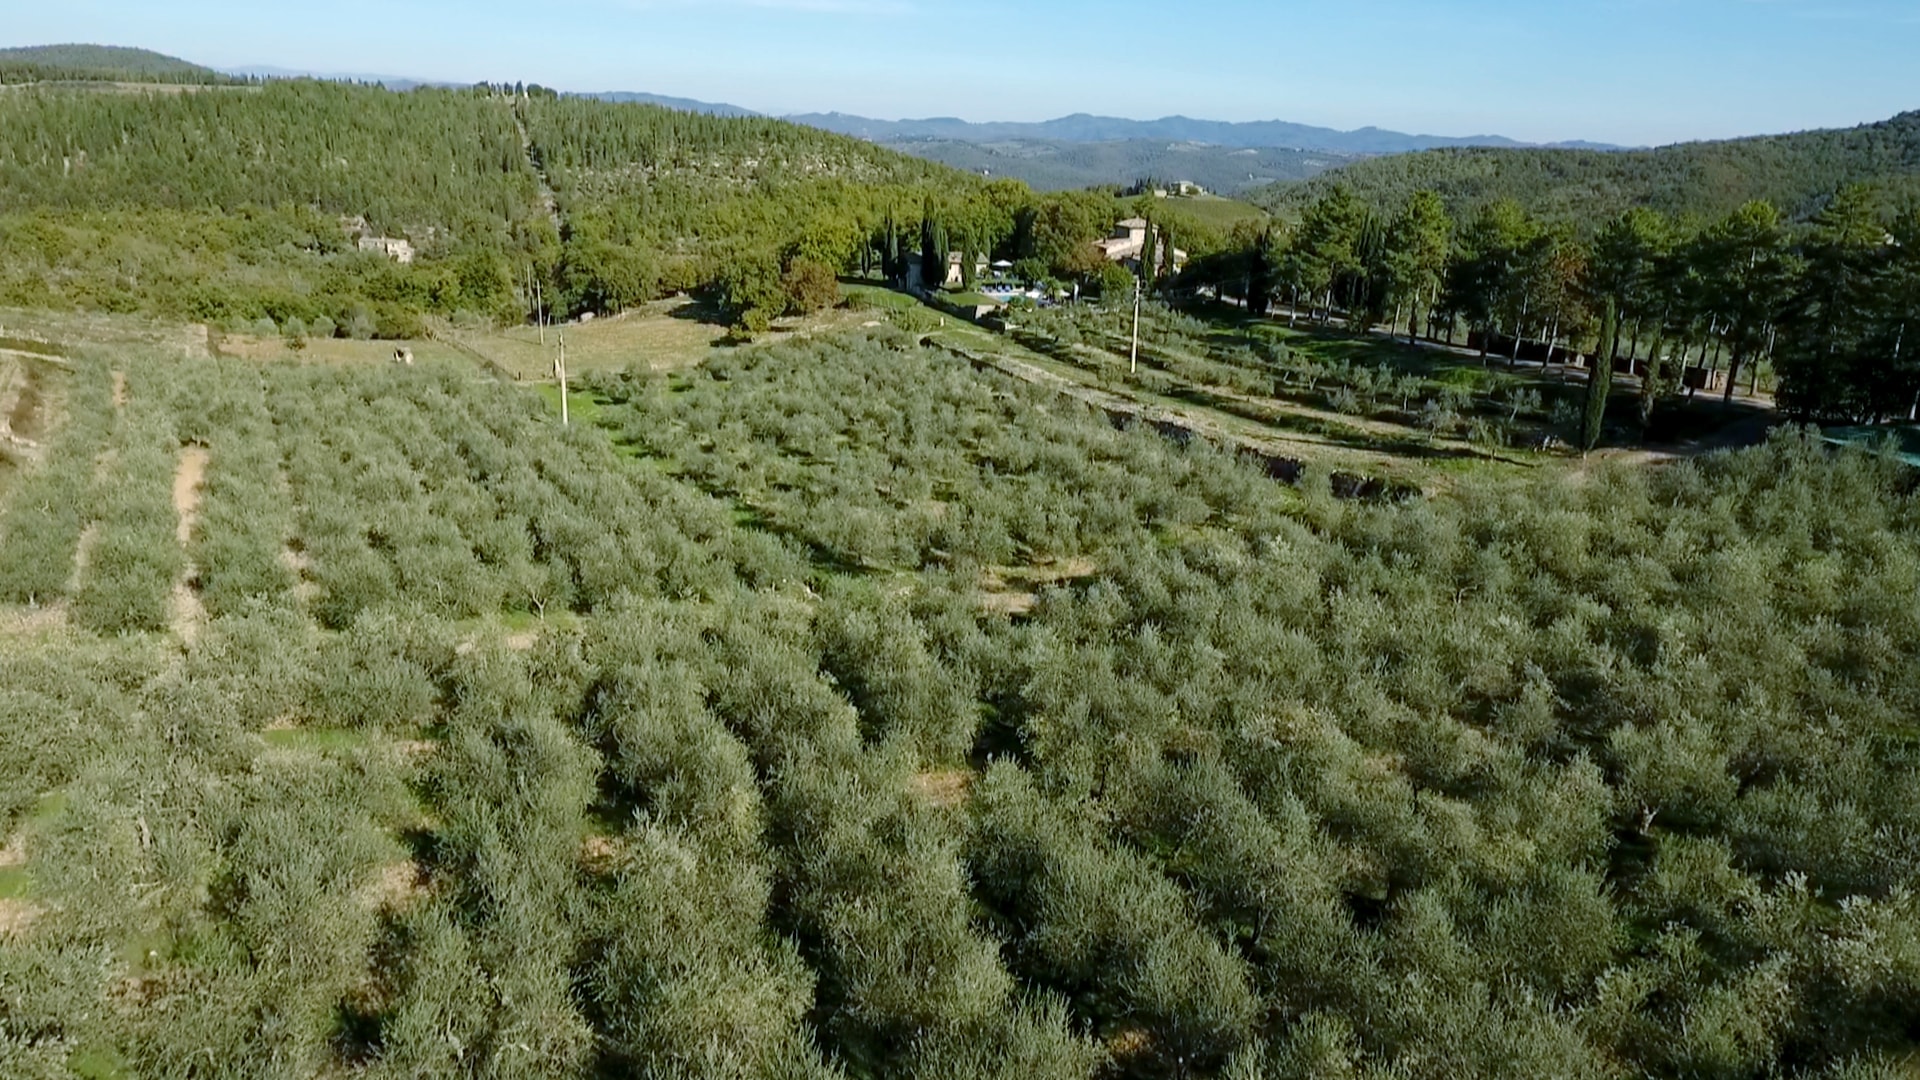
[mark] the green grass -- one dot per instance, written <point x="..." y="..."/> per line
<point x="1212" y="211"/>
<point x="14" y="882"/>
<point x="876" y="298"/>
<point x="582" y="406"/>
<point x="49" y="809"/>
<point x="517" y="622"/>
<point x="969" y="299"/>
<point x="98" y="1063"/>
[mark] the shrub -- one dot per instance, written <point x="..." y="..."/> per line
<point x="810" y="287"/>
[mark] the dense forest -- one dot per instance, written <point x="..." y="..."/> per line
<point x="660" y="200"/>
<point x="846" y="712"/>
<point x="1797" y="173"/>
<point x="226" y="205"/>
<point x="233" y="205"/>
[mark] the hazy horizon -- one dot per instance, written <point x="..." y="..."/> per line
<point x="1627" y="72"/>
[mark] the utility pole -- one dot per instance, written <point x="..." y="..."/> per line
<point x="560" y="372"/>
<point x="1134" y="364"/>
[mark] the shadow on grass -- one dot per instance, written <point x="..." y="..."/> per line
<point x="700" y="311"/>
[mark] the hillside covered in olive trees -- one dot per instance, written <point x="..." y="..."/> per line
<point x="1181" y="681"/>
<point x="837" y="710"/>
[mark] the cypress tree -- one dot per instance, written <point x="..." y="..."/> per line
<point x="892" y="253"/>
<point x="1600" y="379"/>
<point x="889" y="252"/>
<point x="933" y="263"/>
<point x="1150" y="258"/>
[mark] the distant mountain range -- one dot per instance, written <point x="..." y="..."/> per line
<point x="391" y="82"/>
<point x="683" y="104"/>
<point x="1057" y="165"/>
<point x="1082" y="128"/>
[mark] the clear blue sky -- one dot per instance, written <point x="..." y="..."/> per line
<point x="1624" y="71"/>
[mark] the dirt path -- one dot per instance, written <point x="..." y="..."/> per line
<point x="83" y="556"/>
<point x="13" y="383"/>
<point x="189" y="482"/>
<point x="44" y="358"/>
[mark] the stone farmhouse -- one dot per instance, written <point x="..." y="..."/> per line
<point x="400" y="251"/>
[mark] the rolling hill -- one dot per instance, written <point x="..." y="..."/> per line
<point x="244" y="206"/>
<point x="1797" y="172"/>
<point x="100" y="63"/>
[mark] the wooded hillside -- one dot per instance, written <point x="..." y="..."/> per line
<point x="244" y="204"/>
<point x="100" y="63"/>
<point x="1797" y="173"/>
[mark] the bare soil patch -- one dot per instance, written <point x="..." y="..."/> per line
<point x="16" y="916"/>
<point x="416" y="750"/>
<point x="1011" y="604"/>
<point x="1130" y="1043"/>
<point x="304" y="589"/>
<point x="600" y="855"/>
<point x="397" y="888"/>
<point x="32" y="621"/>
<point x="21" y="401"/>
<point x="944" y="788"/>
<point x="1015" y="590"/>
<point x="189" y="484"/>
